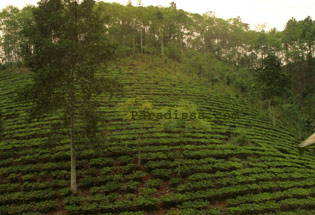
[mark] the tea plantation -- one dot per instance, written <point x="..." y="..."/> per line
<point x="239" y="165"/>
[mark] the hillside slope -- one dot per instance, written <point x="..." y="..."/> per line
<point x="220" y="174"/>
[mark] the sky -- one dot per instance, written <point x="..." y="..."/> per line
<point x="273" y="13"/>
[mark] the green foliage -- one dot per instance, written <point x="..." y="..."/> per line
<point x="134" y="106"/>
<point x="153" y="183"/>
<point x="173" y="53"/>
<point x="137" y="107"/>
<point x="53" y="95"/>
<point x="174" y="211"/>
<point x="273" y="81"/>
<point x="188" y="118"/>
<point x="240" y="138"/>
<point x="12" y="22"/>
<point x="187" y="168"/>
<point x="174" y="181"/>
<point x="210" y="171"/>
<point x="184" y="124"/>
<point x="219" y="48"/>
<point x="64" y="47"/>
<point x="1" y="126"/>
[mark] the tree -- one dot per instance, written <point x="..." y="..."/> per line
<point x="273" y="82"/>
<point x="66" y="45"/>
<point x="137" y="108"/>
<point x="186" y="119"/>
<point x="10" y="37"/>
<point x="12" y="21"/>
<point x="173" y="5"/>
<point x="1" y="126"/>
<point x="160" y="18"/>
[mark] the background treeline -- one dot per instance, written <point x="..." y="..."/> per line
<point x="221" y="53"/>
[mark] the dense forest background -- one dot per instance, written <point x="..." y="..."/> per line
<point x="274" y="70"/>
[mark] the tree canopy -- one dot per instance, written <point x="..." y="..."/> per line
<point x="65" y="47"/>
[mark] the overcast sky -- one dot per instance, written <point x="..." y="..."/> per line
<point x="275" y="13"/>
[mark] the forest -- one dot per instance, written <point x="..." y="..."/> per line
<point x="82" y="84"/>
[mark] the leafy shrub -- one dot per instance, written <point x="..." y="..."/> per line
<point x="162" y="173"/>
<point x="133" y="213"/>
<point x="195" y="204"/>
<point x="28" y="177"/>
<point x="174" y="211"/>
<point x="173" y="53"/>
<point x="130" y="186"/>
<point x="138" y="175"/>
<point x="148" y="191"/>
<point x="174" y="181"/>
<point x="3" y="66"/>
<point x="146" y="203"/>
<point x="105" y="171"/>
<point x="174" y="199"/>
<point x="1" y="126"/>
<point x="153" y="183"/>
<point x="240" y="139"/>
<point x="130" y="196"/>
<point x="124" y="159"/>
<point x="113" y="197"/>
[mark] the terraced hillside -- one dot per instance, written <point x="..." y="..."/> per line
<point x="219" y="175"/>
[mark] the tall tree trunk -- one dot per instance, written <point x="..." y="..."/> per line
<point x="73" y="154"/>
<point x="139" y="153"/>
<point x="73" y="184"/>
<point x="272" y="112"/>
<point x="302" y="73"/>
<point x="123" y="33"/>
<point x="139" y="148"/>
<point x="139" y="156"/>
<point x="141" y="41"/>
<point x="134" y="43"/>
<point x="181" y="46"/>
<point x="179" y="175"/>
<point x="181" y="42"/>
<point x="162" y="42"/>
<point x="204" y="45"/>
<point x="145" y="41"/>
<point x="180" y="156"/>
<point x="269" y="107"/>
<point x="273" y="116"/>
